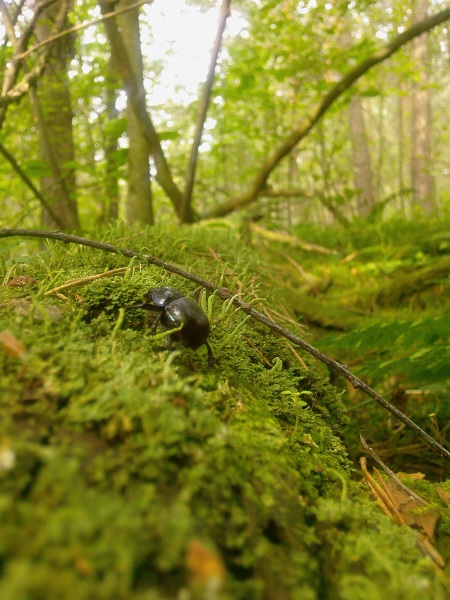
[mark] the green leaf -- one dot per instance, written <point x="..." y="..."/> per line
<point x="370" y="92"/>
<point x="36" y="168"/>
<point x="74" y="165"/>
<point x="120" y="157"/>
<point x="116" y="127"/>
<point x="169" y="135"/>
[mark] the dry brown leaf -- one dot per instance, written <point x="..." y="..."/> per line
<point x="405" y="507"/>
<point x="23" y="281"/>
<point x="443" y="494"/>
<point x="205" y="566"/>
<point x="11" y="345"/>
<point x="413" y="476"/>
<point x="415" y="514"/>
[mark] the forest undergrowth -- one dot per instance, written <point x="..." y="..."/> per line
<point x="381" y="305"/>
<point x="131" y="471"/>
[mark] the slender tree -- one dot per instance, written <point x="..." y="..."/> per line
<point x="53" y="115"/>
<point x="111" y="204"/>
<point x="136" y="100"/>
<point x="361" y="159"/>
<point x="186" y="206"/>
<point x="362" y="168"/>
<point x="421" y="125"/>
<point x="139" y="200"/>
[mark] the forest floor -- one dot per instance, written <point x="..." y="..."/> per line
<point x="132" y="472"/>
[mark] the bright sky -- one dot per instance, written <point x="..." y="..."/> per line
<point x="183" y="36"/>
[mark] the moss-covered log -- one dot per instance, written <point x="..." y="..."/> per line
<point x="130" y="472"/>
<point x="404" y="286"/>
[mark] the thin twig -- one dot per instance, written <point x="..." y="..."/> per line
<point x="260" y="354"/>
<point x="15" y="165"/>
<point x="12" y="94"/>
<point x="382" y="496"/>
<point x="286" y="318"/>
<point x="388" y="471"/>
<point x="84" y="280"/>
<point x="395" y="510"/>
<point x="392" y="510"/>
<point x="186" y="204"/>
<point x="297" y="356"/>
<point x="80" y="26"/>
<point x="225" y="294"/>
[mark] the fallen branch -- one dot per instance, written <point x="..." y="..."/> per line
<point x="225" y="294"/>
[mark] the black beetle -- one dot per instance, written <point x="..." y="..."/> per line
<point x="176" y="310"/>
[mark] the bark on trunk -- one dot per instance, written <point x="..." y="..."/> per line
<point x="361" y="161"/>
<point x="421" y="128"/>
<point x="53" y="113"/>
<point x="111" y="205"/>
<point x="139" y="201"/>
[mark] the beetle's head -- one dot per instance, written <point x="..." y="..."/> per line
<point x="164" y="294"/>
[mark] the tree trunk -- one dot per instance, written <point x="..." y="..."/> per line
<point x="139" y="201"/>
<point x="421" y="134"/>
<point x="401" y="158"/>
<point x="111" y="205"/>
<point x="53" y="113"/>
<point x="362" y="170"/>
<point x="361" y="162"/>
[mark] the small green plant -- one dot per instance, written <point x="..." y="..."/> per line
<point x="418" y="351"/>
<point x="299" y="404"/>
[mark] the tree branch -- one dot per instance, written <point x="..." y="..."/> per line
<point x="186" y="205"/>
<point x="81" y="26"/>
<point x="18" y="44"/>
<point x="322" y="107"/>
<point x="9" y="96"/>
<point x="14" y="94"/>
<point x="225" y="294"/>
<point x="15" y="165"/>
<point x="8" y="23"/>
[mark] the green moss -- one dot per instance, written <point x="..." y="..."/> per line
<point x="361" y="562"/>
<point x="126" y="453"/>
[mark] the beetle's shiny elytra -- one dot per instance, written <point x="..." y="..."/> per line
<point x="177" y="310"/>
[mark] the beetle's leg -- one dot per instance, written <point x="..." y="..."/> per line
<point x="211" y="359"/>
<point x="155" y="323"/>
<point x="151" y="308"/>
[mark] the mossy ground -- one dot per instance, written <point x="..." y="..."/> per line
<point x="139" y="473"/>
